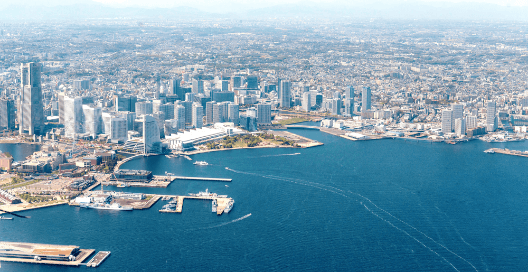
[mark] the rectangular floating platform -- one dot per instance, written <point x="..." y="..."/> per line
<point x="98" y="259"/>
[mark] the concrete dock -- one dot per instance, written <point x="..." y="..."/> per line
<point x="201" y="178"/>
<point x="510" y="152"/>
<point x="98" y="258"/>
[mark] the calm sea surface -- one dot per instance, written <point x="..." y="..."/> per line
<point x="19" y="151"/>
<point x="387" y="205"/>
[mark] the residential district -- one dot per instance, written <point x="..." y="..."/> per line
<point x="97" y="93"/>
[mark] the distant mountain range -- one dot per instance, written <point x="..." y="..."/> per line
<point x="410" y="10"/>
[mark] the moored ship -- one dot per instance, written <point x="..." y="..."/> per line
<point x="106" y="206"/>
<point x="229" y="206"/>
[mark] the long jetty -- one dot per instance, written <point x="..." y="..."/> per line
<point x="202" y="178"/>
<point x="221" y="200"/>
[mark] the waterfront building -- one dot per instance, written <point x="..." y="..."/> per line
<point x="151" y="135"/>
<point x="285" y="94"/>
<point x="447" y="121"/>
<point x="7" y="114"/>
<point x="197" y="115"/>
<point x="72" y="116"/>
<point x="263" y="114"/>
<point x="31" y="109"/>
<point x="365" y="99"/>
<point x="471" y="122"/>
<point x="460" y="126"/>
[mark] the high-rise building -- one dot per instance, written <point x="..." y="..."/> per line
<point x="491" y="119"/>
<point x="237" y="81"/>
<point x="263" y="114"/>
<point x="460" y="126"/>
<point x="197" y="115"/>
<point x="458" y="111"/>
<point x="190" y="97"/>
<point x="61" y="107"/>
<point x="471" y="122"/>
<point x="197" y="86"/>
<point x="143" y="108"/>
<point x="252" y="82"/>
<point x="349" y="101"/>
<point x="285" y="97"/>
<point x="224" y="85"/>
<point x="365" y="99"/>
<point x="447" y="121"/>
<point x="118" y="129"/>
<point x="336" y="106"/>
<point x="188" y="111"/>
<point x="209" y="113"/>
<point x="307" y="101"/>
<point x="7" y="114"/>
<point x="223" y="96"/>
<point x="81" y="84"/>
<point x="151" y="135"/>
<point x="92" y="120"/>
<point x="219" y="112"/>
<point x="31" y="109"/>
<point x="168" y="110"/>
<point x="233" y="113"/>
<point x="179" y="116"/>
<point x="73" y="116"/>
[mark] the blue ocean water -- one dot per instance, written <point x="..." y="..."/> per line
<point x="386" y="205"/>
<point x="19" y="151"/>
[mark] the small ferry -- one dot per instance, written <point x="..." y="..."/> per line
<point x="203" y="163"/>
<point x="489" y="151"/>
<point x="5" y="218"/>
<point x="215" y="205"/>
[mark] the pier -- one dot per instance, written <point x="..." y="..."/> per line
<point x="508" y="152"/>
<point x="98" y="259"/>
<point x="221" y="200"/>
<point x="201" y="178"/>
<point x="43" y="253"/>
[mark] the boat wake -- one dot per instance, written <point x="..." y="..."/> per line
<point x="279" y="155"/>
<point x="227" y="223"/>
<point x="376" y="211"/>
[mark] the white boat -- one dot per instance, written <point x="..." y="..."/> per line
<point x="203" y="163"/>
<point x="489" y="151"/>
<point x="229" y="206"/>
<point x="5" y="218"/>
<point x="215" y="205"/>
<point x="105" y="206"/>
<point x="206" y="193"/>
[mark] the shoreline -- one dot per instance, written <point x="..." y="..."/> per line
<point x="15" y="208"/>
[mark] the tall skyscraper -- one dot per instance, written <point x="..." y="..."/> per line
<point x="307" y="101"/>
<point x="81" y="84"/>
<point x="73" y="116"/>
<point x="447" y="121"/>
<point x="31" y="110"/>
<point x="491" y="120"/>
<point x="7" y="114"/>
<point x="151" y="135"/>
<point x="209" y="112"/>
<point x="233" y="114"/>
<point x="336" y="106"/>
<point x="224" y="85"/>
<point x="458" y="111"/>
<point x="365" y="99"/>
<point x="188" y="111"/>
<point x="144" y="108"/>
<point x="460" y="126"/>
<point x="92" y="120"/>
<point x="285" y="97"/>
<point x="118" y="129"/>
<point x="197" y="86"/>
<point x="197" y="116"/>
<point x="471" y="122"/>
<point x="349" y="101"/>
<point x="219" y="113"/>
<point x="264" y="113"/>
<point x="174" y="88"/>
<point x="179" y="116"/>
<point x="237" y="81"/>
